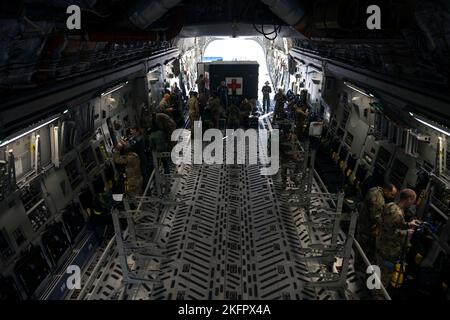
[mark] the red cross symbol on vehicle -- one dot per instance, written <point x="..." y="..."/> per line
<point x="233" y="86"/>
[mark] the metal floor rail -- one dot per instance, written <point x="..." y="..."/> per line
<point x="233" y="235"/>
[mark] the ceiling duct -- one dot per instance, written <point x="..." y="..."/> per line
<point x="309" y="20"/>
<point x="341" y="18"/>
<point x="130" y="36"/>
<point x="336" y="14"/>
<point x="145" y="12"/>
<point x="290" y="11"/>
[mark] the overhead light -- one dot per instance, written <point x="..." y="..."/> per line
<point x="114" y="89"/>
<point x="376" y="106"/>
<point x="314" y="69"/>
<point x="118" y="197"/>
<point x="360" y="90"/>
<point x="21" y="135"/>
<point x="418" y="118"/>
<point x="65" y="111"/>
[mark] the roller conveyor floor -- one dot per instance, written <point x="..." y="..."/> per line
<point x="233" y="235"/>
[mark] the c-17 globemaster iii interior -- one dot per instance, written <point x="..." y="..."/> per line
<point x="224" y="150"/>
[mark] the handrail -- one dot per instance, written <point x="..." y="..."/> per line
<point x="94" y="271"/>
<point x="367" y="262"/>
<point x="355" y="242"/>
<point x="108" y="247"/>
<point x="110" y="243"/>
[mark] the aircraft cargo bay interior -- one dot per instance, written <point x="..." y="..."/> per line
<point x="224" y="150"/>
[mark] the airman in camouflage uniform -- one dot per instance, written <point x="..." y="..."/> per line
<point x="395" y="231"/>
<point x="201" y="85"/>
<point x="158" y="143"/>
<point x="246" y="110"/>
<point x="153" y="121"/>
<point x="160" y="135"/>
<point x="165" y="105"/>
<point x="369" y="220"/>
<point x="254" y="103"/>
<point x="177" y="106"/>
<point x="194" y="111"/>
<point x="280" y="99"/>
<point x="132" y="170"/>
<point x="233" y="117"/>
<point x="216" y="109"/>
<point x="166" y="124"/>
<point x="301" y="113"/>
<point x="137" y="144"/>
<point x="222" y="92"/>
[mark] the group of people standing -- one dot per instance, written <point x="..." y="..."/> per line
<point x="133" y="158"/>
<point x="384" y="230"/>
<point x="134" y="154"/>
<point x="292" y="107"/>
<point x="172" y="104"/>
<point x="217" y="109"/>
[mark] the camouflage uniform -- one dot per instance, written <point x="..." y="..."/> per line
<point x="246" y="110"/>
<point x="300" y="117"/>
<point x="166" y="124"/>
<point x="222" y="91"/>
<point x="216" y="111"/>
<point x="253" y="102"/>
<point x="201" y="104"/>
<point x="391" y="241"/>
<point x="280" y="99"/>
<point x="177" y="104"/>
<point x="369" y="222"/>
<point x="164" y="105"/>
<point x="132" y="171"/>
<point x="137" y="145"/>
<point x="233" y="117"/>
<point x="201" y="84"/>
<point x="158" y="141"/>
<point x="194" y="112"/>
